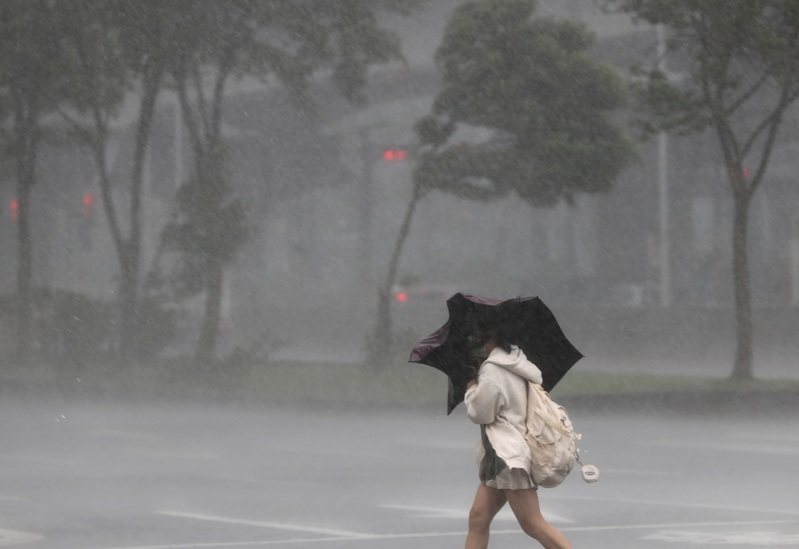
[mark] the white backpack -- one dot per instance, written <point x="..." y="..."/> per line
<point x="551" y="438"/>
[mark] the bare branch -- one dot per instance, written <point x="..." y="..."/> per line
<point x="775" y="119"/>
<point x="224" y="70"/>
<point x="754" y="88"/>
<point x="98" y="142"/>
<point x="77" y="126"/>
<point x="767" y="122"/>
<point x="188" y="114"/>
<point x="201" y="107"/>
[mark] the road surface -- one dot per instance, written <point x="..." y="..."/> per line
<point x="78" y="475"/>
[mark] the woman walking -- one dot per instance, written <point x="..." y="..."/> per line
<point x="496" y="399"/>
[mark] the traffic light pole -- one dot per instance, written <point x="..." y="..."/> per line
<point x="365" y="205"/>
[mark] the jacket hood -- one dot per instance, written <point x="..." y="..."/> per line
<point x="515" y="361"/>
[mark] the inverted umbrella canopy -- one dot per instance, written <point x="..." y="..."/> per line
<point x="524" y="321"/>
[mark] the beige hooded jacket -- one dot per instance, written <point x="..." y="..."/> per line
<point x="499" y="401"/>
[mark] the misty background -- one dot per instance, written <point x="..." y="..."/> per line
<point x="640" y="276"/>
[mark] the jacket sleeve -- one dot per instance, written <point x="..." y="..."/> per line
<point x="484" y="402"/>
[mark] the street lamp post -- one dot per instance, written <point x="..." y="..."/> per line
<point x="663" y="194"/>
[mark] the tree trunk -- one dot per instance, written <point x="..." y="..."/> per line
<point x="207" y="147"/>
<point x="24" y="128"/>
<point x="131" y="255"/>
<point x="381" y="340"/>
<point x="128" y="298"/>
<point x="24" y="300"/>
<point x="382" y="337"/>
<point x="743" y="298"/>
<point x="209" y="334"/>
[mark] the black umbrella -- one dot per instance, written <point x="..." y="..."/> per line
<point x="524" y="321"/>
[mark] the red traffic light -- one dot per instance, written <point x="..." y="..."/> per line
<point x="401" y="297"/>
<point x="14" y="209"/>
<point x="88" y="204"/>
<point x="391" y="155"/>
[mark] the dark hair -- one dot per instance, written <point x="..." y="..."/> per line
<point x="488" y="324"/>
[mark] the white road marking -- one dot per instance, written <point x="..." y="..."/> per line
<point x="640" y="472"/>
<point x="35" y="460"/>
<point x="264" y="482"/>
<point x="764" y="539"/>
<point x="680" y="504"/>
<point x="166" y="454"/>
<point x="433" y="512"/>
<point x="266" y="524"/>
<point x="15" y="537"/>
<point x="459" y="533"/>
<point x="676" y="525"/>
<point x="248" y="480"/>
<point x="461" y="514"/>
<point x="781" y="437"/>
<point x="125" y="435"/>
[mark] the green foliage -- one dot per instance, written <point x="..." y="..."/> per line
<point x="209" y="227"/>
<point x="537" y="106"/>
<point x="147" y="31"/>
<point x="667" y="107"/>
<point x="353" y="38"/>
<point x="33" y="75"/>
<point x="31" y="60"/>
<point x="155" y="327"/>
<point x="288" y="39"/>
<point x="72" y="329"/>
<point x="100" y="79"/>
<point x="434" y="131"/>
<point x="86" y="57"/>
<point x="732" y="55"/>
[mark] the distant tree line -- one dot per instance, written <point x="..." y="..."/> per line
<point x="75" y="64"/>
<point x="523" y="108"/>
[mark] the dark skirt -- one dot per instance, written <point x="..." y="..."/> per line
<point x="495" y="473"/>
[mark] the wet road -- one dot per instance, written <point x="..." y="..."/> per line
<point x="100" y="476"/>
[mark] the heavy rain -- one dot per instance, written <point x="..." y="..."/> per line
<point x="225" y="226"/>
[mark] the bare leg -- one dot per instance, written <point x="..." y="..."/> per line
<point x="524" y="504"/>
<point x="487" y="503"/>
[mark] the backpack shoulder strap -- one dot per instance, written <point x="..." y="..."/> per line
<point x="537" y="398"/>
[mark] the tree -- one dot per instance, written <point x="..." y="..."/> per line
<point x="213" y="45"/>
<point x="741" y="76"/>
<point x="523" y="108"/>
<point x="122" y="49"/>
<point x="217" y="42"/>
<point x="32" y="76"/>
